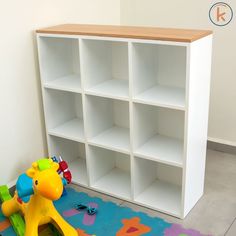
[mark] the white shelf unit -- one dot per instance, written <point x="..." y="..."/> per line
<point x="74" y="153"/>
<point x="158" y="134"/>
<point x="64" y="114"/>
<point x="60" y="60"/>
<point x="130" y="115"/>
<point x="110" y="172"/>
<point x="108" y="123"/>
<point x="109" y="76"/>
<point x="158" y="186"/>
<point x="159" y="74"/>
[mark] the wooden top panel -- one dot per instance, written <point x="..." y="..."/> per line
<point x="165" y="34"/>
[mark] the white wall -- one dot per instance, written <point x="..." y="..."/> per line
<point x="194" y="14"/>
<point x="22" y="137"/>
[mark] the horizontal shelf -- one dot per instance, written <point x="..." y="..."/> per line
<point x="116" y="182"/>
<point x="162" y="149"/>
<point x="114" y="88"/>
<point x="162" y="196"/>
<point x="163" y="96"/>
<point x="73" y="130"/>
<point x="70" y="83"/>
<point x="115" y="138"/>
<point x="79" y="171"/>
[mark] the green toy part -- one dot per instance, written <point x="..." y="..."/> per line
<point x="16" y="219"/>
<point x="43" y="164"/>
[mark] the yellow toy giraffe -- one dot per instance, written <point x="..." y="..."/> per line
<point x="47" y="187"/>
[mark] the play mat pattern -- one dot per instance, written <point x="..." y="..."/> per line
<point x="111" y="219"/>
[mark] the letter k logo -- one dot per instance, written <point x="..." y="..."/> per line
<point x="220" y="15"/>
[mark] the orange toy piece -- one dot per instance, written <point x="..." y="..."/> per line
<point x="4" y="225"/>
<point x="132" y="227"/>
<point x="83" y="233"/>
<point x="40" y="210"/>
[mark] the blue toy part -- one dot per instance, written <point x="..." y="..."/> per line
<point x="25" y="199"/>
<point x="64" y="182"/>
<point x="54" y="158"/>
<point x="64" y="193"/>
<point x="90" y="210"/>
<point x="24" y="187"/>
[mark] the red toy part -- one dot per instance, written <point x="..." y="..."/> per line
<point x="63" y="168"/>
<point x="19" y="200"/>
<point x="67" y="175"/>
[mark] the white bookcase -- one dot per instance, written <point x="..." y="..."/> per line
<point x="129" y="113"/>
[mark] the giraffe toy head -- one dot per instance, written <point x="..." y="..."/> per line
<point x="46" y="180"/>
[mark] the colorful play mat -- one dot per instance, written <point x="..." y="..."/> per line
<point x="110" y="219"/>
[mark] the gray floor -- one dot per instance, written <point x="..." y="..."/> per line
<point x="215" y="213"/>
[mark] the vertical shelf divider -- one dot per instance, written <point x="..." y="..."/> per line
<point x="84" y="107"/>
<point x="131" y="118"/>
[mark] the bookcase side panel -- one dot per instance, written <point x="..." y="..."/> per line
<point x="198" y="91"/>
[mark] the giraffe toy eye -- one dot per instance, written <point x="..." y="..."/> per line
<point x="36" y="182"/>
